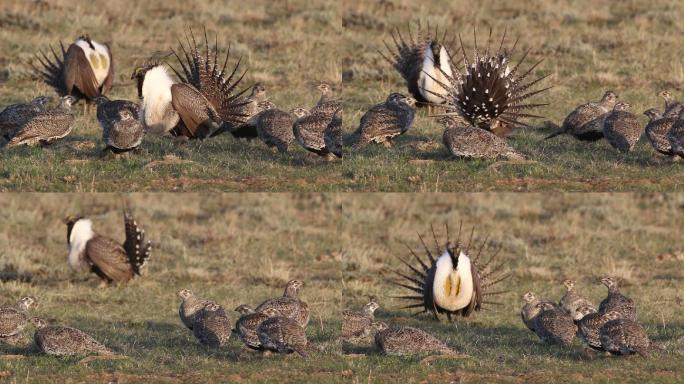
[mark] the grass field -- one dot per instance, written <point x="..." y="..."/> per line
<point x="631" y="47"/>
<point x="239" y="248"/>
<point x="288" y="46"/>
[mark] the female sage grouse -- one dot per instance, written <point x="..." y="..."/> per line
<point x="657" y="130"/>
<point x="332" y="136"/>
<point x="246" y="326"/>
<point x="274" y="127"/>
<point x="589" y="324"/>
<point x="47" y="126"/>
<point x="571" y="300"/>
<point x="289" y="305"/>
<point x="453" y="283"/>
<point x="385" y="121"/>
<point x="408" y="341"/>
<point x="489" y="93"/>
<point x="13" y="320"/>
<point x="531" y="309"/>
<point x="283" y="334"/>
<point x="85" y="70"/>
<point x="672" y="106"/>
<point x="121" y="128"/>
<point x="553" y="325"/>
<point x="111" y="261"/>
<point x="464" y="141"/>
<point x="424" y="62"/>
<point x="577" y="123"/>
<point x="251" y="106"/>
<point x="621" y="336"/>
<point x="621" y="128"/>
<point x="309" y="131"/>
<point x="14" y="116"/>
<point x="65" y="341"/>
<point x="358" y="325"/>
<point x="676" y="136"/>
<point x="616" y="301"/>
<point x="211" y="326"/>
<point x="190" y="306"/>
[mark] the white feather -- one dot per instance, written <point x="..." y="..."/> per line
<point x="81" y="233"/>
<point x="443" y="271"/>
<point x="430" y="73"/>
<point x="98" y="59"/>
<point x="157" y="114"/>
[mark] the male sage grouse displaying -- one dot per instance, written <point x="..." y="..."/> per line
<point x="289" y="305"/>
<point x="246" y="326"/>
<point x="274" y="127"/>
<point x="553" y="325"/>
<point x="212" y="326"/>
<point x="121" y="128"/>
<point x="621" y="336"/>
<point x="408" y="341"/>
<point x="453" y="283"/>
<point x="84" y="70"/>
<point x="621" y="128"/>
<point x="424" y="62"/>
<point x="531" y="309"/>
<point x="47" y="126"/>
<point x="589" y="324"/>
<point x="14" y="116"/>
<point x="65" y="341"/>
<point x="657" y="129"/>
<point x="577" y="123"/>
<point x="676" y="136"/>
<point x="13" y="320"/>
<point x="572" y="301"/>
<point x="283" y="334"/>
<point x="672" y="106"/>
<point x="385" y="121"/>
<point x="464" y="141"/>
<point x="154" y="91"/>
<point x="616" y="301"/>
<point x="489" y="93"/>
<point x="190" y="306"/>
<point x="332" y="136"/>
<point x="111" y="261"/>
<point x="358" y="325"/>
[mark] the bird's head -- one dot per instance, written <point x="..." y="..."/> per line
<point x="529" y="297"/>
<point x="271" y="312"/>
<point x="38" y="322"/>
<point x="652" y="113"/>
<point x="292" y="288"/>
<point x="621" y="106"/>
<point x="609" y="97"/>
<point x="185" y="294"/>
<point x="569" y="284"/>
<point x="583" y="311"/>
<point x="244" y="309"/>
<point x="25" y="303"/>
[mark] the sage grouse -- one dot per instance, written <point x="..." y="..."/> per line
<point x="672" y="106"/>
<point x="121" y="128"/>
<point x="190" y="306"/>
<point x="65" y="341"/>
<point x="109" y="260"/>
<point x="531" y="309"/>
<point x="47" y="126"/>
<point x="358" y="325"/>
<point x="453" y="283"/>
<point x="309" y="131"/>
<point x="85" y="69"/>
<point x="489" y="93"/>
<point x="676" y="136"/>
<point x="621" y="128"/>
<point x="616" y="301"/>
<point x="577" y="123"/>
<point x="289" y="305"/>
<point x="424" y="62"/>
<point x="13" y="320"/>
<point x="408" y="341"/>
<point x="657" y="130"/>
<point x="385" y="121"/>
<point x="246" y="326"/>
<point x="283" y="334"/>
<point x="553" y="325"/>
<point x="211" y="326"/>
<point x="621" y="336"/>
<point x="589" y="324"/>
<point x="572" y="301"/>
<point x="464" y="141"/>
<point x="14" y="116"/>
<point x="274" y="127"/>
<point x="332" y="136"/>
<point x="251" y="106"/>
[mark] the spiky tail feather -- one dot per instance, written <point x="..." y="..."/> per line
<point x="137" y="247"/>
<point x="419" y="279"/>
<point x="488" y="89"/>
<point x="51" y="70"/>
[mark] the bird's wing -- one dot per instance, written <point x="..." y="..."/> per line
<point x="109" y="258"/>
<point x="78" y="73"/>
<point x="192" y="107"/>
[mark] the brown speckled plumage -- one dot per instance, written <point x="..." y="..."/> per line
<point x="623" y="337"/>
<point x="121" y="128"/>
<point x="672" y="106"/>
<point x="466" y="141"/>
<point x="14" y="116"/>
<point x="553" y="325"/>
<point x="309" y="131"/>
<point x="531" y="309"/>
<point x="13" y="320"/>
<point x="571" y="300"/>
<point x="190" y="306"/>
<point x="274" y="127"/>
<point x="358" y="325"/>
<point x="211" y="326"/>
<point x="676" y="136"/>
<point x="246" y="326"/>
<point x="333" y="134"/>
<point x="616" y="301"/>
<point x="588" y="326"/>
<point x="283" y="335"/>
<point x="66" y="341"/>
<point x="402" y="340"/>
<point x="385" y="121"/>
<point x="576" y="123"/>
<point x="289" y="305"/>
<point x="621" y="128"/>
<point x="657" y="130"/>
<point x="46" y="127"/>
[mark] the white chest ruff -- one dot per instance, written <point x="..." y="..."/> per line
<point x="98" y="59"/>
<point x="81" y="233"/>
<point x="433" y="74"/>
<point x="158" y="115"/>
<point x="445" y="276"/>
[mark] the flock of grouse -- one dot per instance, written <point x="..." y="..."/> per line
<point x="201" y="102"/>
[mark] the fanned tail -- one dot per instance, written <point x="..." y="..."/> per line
<point x="51" y="69"/>
<point x="137" y="247"/>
